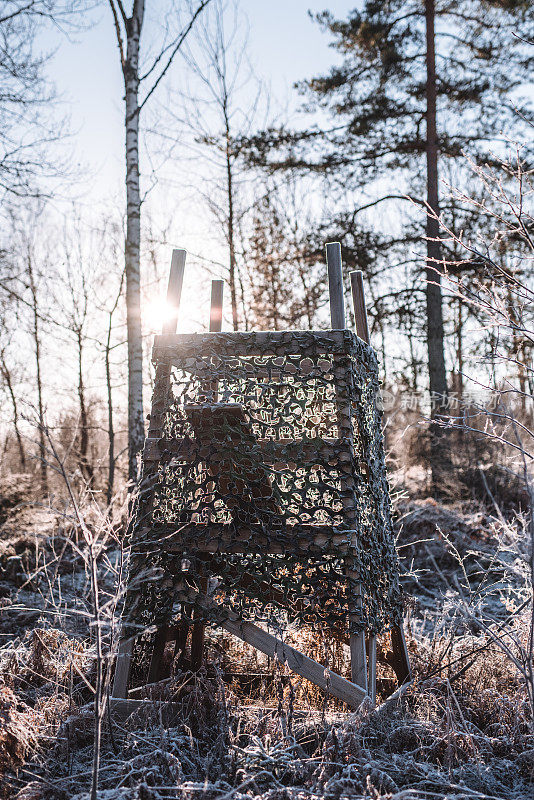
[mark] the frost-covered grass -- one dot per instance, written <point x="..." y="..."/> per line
<point x="463" y="729"/>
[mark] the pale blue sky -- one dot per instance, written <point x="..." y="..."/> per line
<point x="285" y="46"/>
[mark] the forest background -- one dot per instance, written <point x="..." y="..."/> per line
<point x="406" y="137"/>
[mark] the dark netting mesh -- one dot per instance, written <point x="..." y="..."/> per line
<point x="264" y="485"/>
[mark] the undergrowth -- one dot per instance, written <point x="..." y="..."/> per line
<point x="245" y="728"/>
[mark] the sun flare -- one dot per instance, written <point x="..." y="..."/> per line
<point x="156" y="313"/>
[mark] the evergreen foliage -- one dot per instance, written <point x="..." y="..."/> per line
<point x="418" y="84"/>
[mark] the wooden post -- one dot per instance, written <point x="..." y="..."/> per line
<point x="161" y="383"/>
<point x="174" y="289"/>
<point x="360" y="311"/>
<point x="401" y="657"/>
<point x="335" y="285"/>
<point x="398" y="642"/>
<point x="122" y="668"/>
<point x="216" y="307"/>
<point x="358" y="658"/>
<point x="155" y="672"/>
<point x="362" y="329"/>
<point x="372" y="668"/>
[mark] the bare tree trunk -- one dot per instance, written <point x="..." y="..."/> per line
<point x="518" y="349"/>
<point x="6" y="374"/>
<point x="244" y="310"/>
<point x="128" y="30"/>
<point x="111" y="428"/>
<point x="40" y="404"/>
<point x="460" y="351"/>
<point x="434" y="266"/>
<point x="413" y="360"/>
<point x="232" y="277"/>
<point x="459" y="410"/>
<point x="85" y="464"/>
<point x="132" y="254"/>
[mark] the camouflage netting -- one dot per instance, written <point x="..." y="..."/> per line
<point x="264" y="484"/>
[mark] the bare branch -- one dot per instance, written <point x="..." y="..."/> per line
<point x="175" y="49"/>
<point x="118" y="31"/>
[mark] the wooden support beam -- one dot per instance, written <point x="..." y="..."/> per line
<point x="335" y="285"/>
<point x="400" y="660"/>
<point x="155" y="672"/>
<point x="216" y="306"/>
<point x="358" y="658"/>
<point x="174" y="290"/>
<point x="161" y="380"/>
<point x="358" y="653"/>
<point x="162" y="376"/>
<point x="180" y="643"/>
<point x="400" y="657"/>
<point x="371" y="642"/>
<point x="358" y="300"/>
<point x="304" y="666"/>
<point x="122" y="668"/>
<point x="216" y="314"/>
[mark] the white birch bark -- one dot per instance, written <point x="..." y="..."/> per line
<point x="128" y="31"/>
<point x="133" y="240"/>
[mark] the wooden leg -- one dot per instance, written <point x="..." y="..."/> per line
<point x="122" y="668"/>
<point x="400" y="658"/>
<point x="197" y="637"/>
<point x="155" y="673"/>
<point x="303" y="665"/>
<point x="358" y="660"/>
<point x="197" y="645"/>
<point x="372" y="667"/>
<point x="180" y="643"/>
<point x="358" y="657"/>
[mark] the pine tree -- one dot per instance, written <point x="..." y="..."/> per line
<point x="271" y="286"/>
<point x="420" y="83"/>
<point x="285" y="264"/>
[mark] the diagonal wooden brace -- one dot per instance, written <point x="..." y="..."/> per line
<point x="303" y="665"/>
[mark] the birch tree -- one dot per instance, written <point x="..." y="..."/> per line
<point x="140" y="83"/>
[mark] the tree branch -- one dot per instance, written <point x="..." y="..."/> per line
<point x="175" y="49"/>
<point x="118" y="33"/>
<point x="123" y="12"/>
<point x="18" y="12"/>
